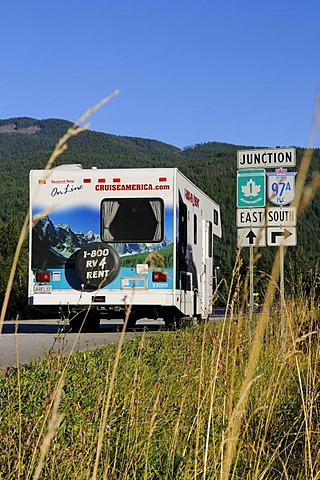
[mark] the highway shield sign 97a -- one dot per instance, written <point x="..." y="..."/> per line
<point x="251" y="188"/>
<point x="281" y="187"/>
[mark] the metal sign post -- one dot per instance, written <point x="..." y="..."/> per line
<point x="282" y="322"/>
<point x="251" y="293"/>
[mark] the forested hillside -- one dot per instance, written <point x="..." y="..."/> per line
<point x="27" y="143"/>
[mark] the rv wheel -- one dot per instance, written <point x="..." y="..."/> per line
<point x="184" y="322"/>
<point x="176" y="323"/>
<point x="172" y="323"/>
<point x="86" y="321"/>
<point x="202" y="320"/>
<point x="131" y="323"/>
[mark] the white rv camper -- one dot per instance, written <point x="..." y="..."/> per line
<point x="103" y="239"/>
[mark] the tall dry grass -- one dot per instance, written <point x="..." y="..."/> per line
<point x="160" y="407"/>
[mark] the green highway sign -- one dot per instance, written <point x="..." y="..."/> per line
<point x="251" y="188"/>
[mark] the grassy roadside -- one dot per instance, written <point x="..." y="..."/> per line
<point x="170" y="406"/>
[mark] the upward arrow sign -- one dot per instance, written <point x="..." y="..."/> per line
<point x="251" y="236"/>
<point x="248" y="237"/>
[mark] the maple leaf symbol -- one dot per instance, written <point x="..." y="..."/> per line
<point x="251" y="189"/>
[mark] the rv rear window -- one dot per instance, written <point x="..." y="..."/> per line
<point x="132" y="220"/>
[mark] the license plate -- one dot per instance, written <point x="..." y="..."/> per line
<point x="42" y="289"/>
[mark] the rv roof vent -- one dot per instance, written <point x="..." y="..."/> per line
<point x="70" y="166"/>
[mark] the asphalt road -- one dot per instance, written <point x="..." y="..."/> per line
<point x="31" y="339"/>
<point x="26" y="340"/>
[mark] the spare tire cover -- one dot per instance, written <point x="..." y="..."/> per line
<point x="97" y="264"/>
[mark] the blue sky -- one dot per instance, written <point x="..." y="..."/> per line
<point x="189" y="71"/>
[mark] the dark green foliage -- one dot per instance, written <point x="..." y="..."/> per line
<point x="9" y="234"/>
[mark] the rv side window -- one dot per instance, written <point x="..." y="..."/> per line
<point x="195" y="229"/>
<point x="215" y="217"/>
<point x="210" y="239"/>
<point x="132" y="220"/>
<point x="183" y="227"/>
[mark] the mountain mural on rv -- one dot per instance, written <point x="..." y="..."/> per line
<point x="55" y="244"/>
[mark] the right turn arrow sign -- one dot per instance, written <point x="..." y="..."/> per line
<point x="281" y="236"/>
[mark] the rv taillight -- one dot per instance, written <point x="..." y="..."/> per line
<point x="159" y="277"/>
<point x="43" y="277"/>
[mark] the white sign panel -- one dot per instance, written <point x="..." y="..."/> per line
<point x="251" y="217"/>
<point x="281" y="187"/>
<point x="255" y="237"/>
<point x="277" y="236"/>
<point x="281" y="216"/>
<point x="267" y="158"/>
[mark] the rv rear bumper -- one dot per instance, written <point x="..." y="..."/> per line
<point x="104" y="298"/>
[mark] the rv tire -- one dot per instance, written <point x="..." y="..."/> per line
<point x="184" y="322"/>
<point x="131" y="323"/>
<point x="86" y="321"/>
<point x="172" y="323"/>
<point x="202" y="320"/>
